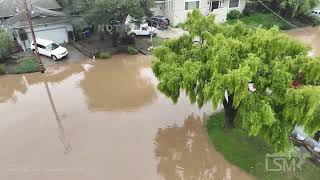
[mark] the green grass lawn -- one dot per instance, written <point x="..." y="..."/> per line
<point x="248" y="153"/>
<point x="267" y="20"/>
<point x="27" y="65"/>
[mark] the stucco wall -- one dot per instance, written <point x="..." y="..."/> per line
<point x="179" y="14"/>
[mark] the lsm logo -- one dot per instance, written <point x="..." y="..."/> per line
<point x="280" y="162"/>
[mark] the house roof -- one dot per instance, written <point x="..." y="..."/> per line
<point x="9" y="8"/>
<point x="40" y="16"/>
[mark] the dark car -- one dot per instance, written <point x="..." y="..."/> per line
<point x="159" y="21"/>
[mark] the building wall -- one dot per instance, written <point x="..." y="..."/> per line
<point x="178" y="14"/>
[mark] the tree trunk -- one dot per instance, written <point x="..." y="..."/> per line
<point x="230" y="112"/>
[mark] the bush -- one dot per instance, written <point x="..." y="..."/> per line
<point x="2" y="69"/>
<point x="132" y="50"/>
<point x="5" y="45"/>
<point x="27" y="65"/>
<point x="234" y="14"/>
<point x="104" y="55"/>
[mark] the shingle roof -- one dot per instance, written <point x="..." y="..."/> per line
<point x="40" y="16"/>
<point x="10" y="8"/>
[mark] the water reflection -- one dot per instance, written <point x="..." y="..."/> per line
<point x="184" y="153"/>
<point x="10" y="86"/>
<point x="118" y="85"/>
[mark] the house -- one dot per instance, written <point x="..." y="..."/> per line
<point x="47" y="22"/>
<point x="177" y="10"/>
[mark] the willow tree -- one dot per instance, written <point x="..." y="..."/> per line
<point x="217" y="63"/>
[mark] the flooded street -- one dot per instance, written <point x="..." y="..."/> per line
<point x="311" y="36"/>
<point x="103" y="120"/>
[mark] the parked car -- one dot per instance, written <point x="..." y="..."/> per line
<point x="142" y="30"/>
<point x="158" y="21"/>
<point x="316" y="12"/>
<point x="50" y="49"/>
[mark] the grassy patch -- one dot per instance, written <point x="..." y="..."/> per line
<point x="132" y="50"/>
<point x="104" y="55"/>
<point x="267" y="20"/>
<point x="27" y="65"/>
<point x="248" y="153"/>
<point x="2" y="69"/>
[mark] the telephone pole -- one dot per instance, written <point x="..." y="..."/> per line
<point x="41" y="67"/>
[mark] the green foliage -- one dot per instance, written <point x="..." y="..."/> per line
<point x="214" y="59"/>
<point x="27" y="65"/>
<point x="132" y="50"/>
<point x="104" y="55"/>
<point x="268" y="20"/>
<point x="248" y="153"/>
<point x="5" y="45"/>
<point x="234" y="14"/>
<point x="2" y="69"/>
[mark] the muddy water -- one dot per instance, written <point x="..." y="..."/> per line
<point x="102" y="120"/>
<point x="311" y="36"/>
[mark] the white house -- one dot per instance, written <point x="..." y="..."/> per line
<point x="177" y="10"/>
<point x="48" y="23"/>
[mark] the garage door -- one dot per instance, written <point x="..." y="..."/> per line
<point x="57" y="35"/>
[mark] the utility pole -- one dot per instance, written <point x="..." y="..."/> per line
<point x="41" y="67"/>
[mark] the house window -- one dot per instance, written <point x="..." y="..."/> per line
<point x="234" y="3"/>
<point x="192" y="5"/>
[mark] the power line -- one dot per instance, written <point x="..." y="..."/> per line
<point x="282" y="17"/>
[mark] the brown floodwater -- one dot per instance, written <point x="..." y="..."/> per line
<point x="103" y="120"/>
<point x="310" y="36"/>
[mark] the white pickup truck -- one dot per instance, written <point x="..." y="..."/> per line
<point x="142" y="30"/>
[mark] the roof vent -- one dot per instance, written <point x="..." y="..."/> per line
<point x="17" y="9"/>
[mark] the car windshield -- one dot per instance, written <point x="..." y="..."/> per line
<point x="52" y="46"/>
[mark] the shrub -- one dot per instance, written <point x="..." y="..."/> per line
<point x="5" y="45"/>
<point x="27" y="65"/>
<point x="132" y="50"/>
<point x="234" y="14"/>
<point x="104" y="55"/>
<point x="2" y="69"/>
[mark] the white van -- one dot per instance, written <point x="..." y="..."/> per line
<point x="50" y="49"/>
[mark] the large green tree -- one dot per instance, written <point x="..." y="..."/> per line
<point x="5" y="45"/>
<point x="215" y="63"/>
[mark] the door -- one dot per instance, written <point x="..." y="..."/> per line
<point x="214" y="5"/>
<point x="144" y="31"/>
<point x="43" y="50"/>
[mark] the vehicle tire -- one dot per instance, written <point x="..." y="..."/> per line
<point x="133" y="35"/>
<point x="54" y="57"/>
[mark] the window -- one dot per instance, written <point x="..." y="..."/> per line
<point x="40" y="46"/>
<point x="52" y="46"/>
<point x="192" y="5"/>
<point x="234" y="3"/>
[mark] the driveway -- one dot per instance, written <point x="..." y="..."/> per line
<point x="170" y="33"/>
<point x="74" y="56"/>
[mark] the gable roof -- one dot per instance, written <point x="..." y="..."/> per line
<point x="40" y="16"/>
<point x="9" y="8"/>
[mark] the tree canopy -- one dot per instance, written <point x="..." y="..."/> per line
<point x="215" y="63"/>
